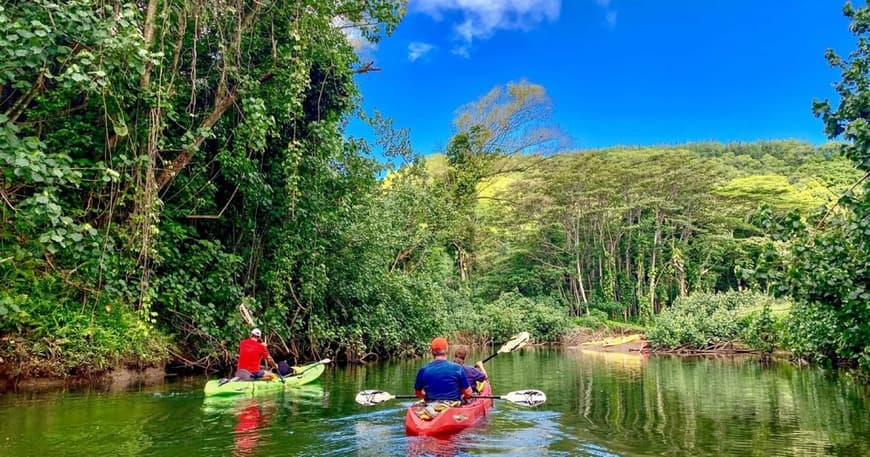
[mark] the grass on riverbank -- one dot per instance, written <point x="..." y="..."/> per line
<point x="67" y="342"/>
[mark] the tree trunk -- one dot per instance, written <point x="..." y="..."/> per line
<point x="582" y="289"/>
<point x="653" y="273"/>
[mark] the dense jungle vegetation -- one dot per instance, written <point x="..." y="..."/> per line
<point x="166" y="161"/>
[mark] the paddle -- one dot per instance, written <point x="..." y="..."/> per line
<point x="246" y="314"/>
<point x="517" y="342"/>
<point x="226" y="380"/>
<point x="321" y="362"/>
<point x="528" y="397"/>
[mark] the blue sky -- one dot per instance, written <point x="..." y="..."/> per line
<point x="619" y="72"/>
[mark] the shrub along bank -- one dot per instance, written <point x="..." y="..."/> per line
<point x="714" y="321"/>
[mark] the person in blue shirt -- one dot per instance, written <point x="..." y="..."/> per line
<point x="476" y="374"/>
<point x="441" y="379"/>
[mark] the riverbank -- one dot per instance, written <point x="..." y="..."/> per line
<point x="100" y="353"/>
<point x="619" y="342"/>
<point x="31" y="371"/>
<point x="113" y="380"/>
<point x="602" y="340"/>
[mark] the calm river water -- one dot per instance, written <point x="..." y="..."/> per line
<point x="599" y="404"/>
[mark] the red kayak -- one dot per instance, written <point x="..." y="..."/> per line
<point x="451" y="419"/>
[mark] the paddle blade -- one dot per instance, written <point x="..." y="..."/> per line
<point x="515" y="343"/>
<point x="373" y="397"/>
<point x="313" y="365"/>
<point x="525" y="397"/>
<point x="246" y="315"/>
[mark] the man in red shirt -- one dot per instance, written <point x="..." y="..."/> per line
<point x="252" y="352"/>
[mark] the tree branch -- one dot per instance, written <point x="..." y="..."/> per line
<point x="831" y="209"/>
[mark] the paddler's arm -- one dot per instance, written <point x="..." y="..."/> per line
<point x="270" y="360"/>
<point x="479" y="366"/>
<point x="268" y="356"/>
<point x="466" y="392"/>
<point x="419" y="385"/>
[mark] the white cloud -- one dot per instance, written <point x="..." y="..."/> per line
<point x="611" y="18"/>
<point x="354" y="35"/>
<point x="609" y="14"/>
<point x="418" y="49"/>
<point x="461" y="51"/>
<point x="483" y="18"/>
<point x="465" y="31"/>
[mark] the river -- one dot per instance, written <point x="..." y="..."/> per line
<point x="598" y="405"/>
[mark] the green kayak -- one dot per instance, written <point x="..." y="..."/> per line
<point x="306" y="374"/>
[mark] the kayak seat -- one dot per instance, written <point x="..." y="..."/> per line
<point x="433" y="409"/>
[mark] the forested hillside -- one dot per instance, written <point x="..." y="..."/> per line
<point x="627" y="230"/>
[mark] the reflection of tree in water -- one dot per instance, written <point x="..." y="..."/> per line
<point x="301" y="398"/>
<point x="716" y="406"/>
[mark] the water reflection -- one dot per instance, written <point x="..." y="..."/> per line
<point x="294" y="399"/>
<point x="626" y="363"/>
<point x="252" y="420"/>
<point x="304" y="397"/>
<point x="434" y="446"/>
<point x="713" y="406"/>
<point x="598" y="404"/>
<point x="374" y="434"/>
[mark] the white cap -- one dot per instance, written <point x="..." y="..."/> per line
<point x="256" y="332"/>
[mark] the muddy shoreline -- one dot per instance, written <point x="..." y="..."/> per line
<point x="113" y="380"/>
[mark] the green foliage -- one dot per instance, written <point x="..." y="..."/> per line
<point x="826" y="274"/>
<point x="595" y="320"/>
<point x="193" y="294"/>
<point x="168" y="166"/>
<point x="826" y="267"/>
<point x="702" y="320"/>
<point x="639" y="227"/>
<point x="63" y="337"/>
<point x="762" y="331"/>
<point x="545" y="319"/>
<point x="757" y="190"/>
<point x="610" y="308"/>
